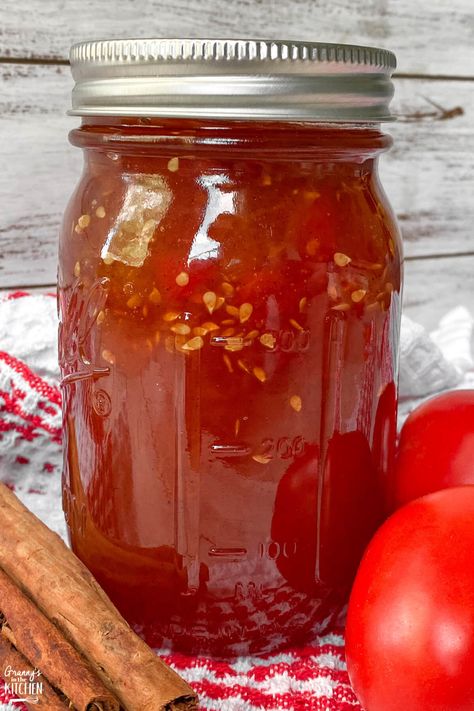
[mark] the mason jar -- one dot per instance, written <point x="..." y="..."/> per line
<point x="229" y="290"/>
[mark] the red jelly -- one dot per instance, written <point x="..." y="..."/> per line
<point x="229" y="297"/>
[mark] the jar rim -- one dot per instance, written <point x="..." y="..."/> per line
<point x="252" y="79"/>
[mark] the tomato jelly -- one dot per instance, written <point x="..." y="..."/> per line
<point x="229" y="294"/>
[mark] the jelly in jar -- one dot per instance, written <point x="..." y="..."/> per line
<point x="229" y="294"/>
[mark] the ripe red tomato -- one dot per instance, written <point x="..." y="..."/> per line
<point x="410" y="624"/>
<point x="436" y="448"/>
<point x="353" y="498"/>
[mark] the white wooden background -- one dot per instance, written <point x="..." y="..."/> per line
<point x="429" y="174"/>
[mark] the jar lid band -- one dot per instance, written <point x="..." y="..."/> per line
<point x="232" y="79"/>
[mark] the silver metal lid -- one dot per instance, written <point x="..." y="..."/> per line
<point x="232" y="79"/>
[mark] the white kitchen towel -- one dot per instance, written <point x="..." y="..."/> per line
<point x="436" y="361"/>
<point x="453" y="337"/>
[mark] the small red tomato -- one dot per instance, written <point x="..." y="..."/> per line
<point x="410" y="623"/>
<point x="351" y="509"/>
<point x="436" y="447"/>
<point x="295" y="520"/>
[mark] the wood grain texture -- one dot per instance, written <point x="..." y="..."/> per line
<point x="39" y="170"/>
<point x="429" y="173"/>
<point x="428" y="37"/>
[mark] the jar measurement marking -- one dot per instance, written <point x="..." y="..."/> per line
<point x="286" y="341"/>
<point x="283" y="447"/>
<point x="84" y="375"/>
<point x="235" y="342"/>
<point x="273" y="550"/>
<point x="230" y="450"/>
<point x="227" y="552"/>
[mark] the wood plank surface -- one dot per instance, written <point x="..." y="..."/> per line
<point x="429" y="173"/>
<point x="429" y="37"/>
<point x="39" y="170"/>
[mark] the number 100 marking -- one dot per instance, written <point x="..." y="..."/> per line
<point x="272" y="550"/>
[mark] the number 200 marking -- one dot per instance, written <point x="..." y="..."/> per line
<point x="283" y="448"/>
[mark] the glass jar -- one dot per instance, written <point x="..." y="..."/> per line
<point x="229" y="291"/>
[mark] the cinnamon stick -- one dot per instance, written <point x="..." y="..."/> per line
<point x="32" y="634"/>
<point x="38" y="561"/>
<point x="38" y="695"/>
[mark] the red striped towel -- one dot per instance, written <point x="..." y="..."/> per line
<point x="313" y="677"/>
